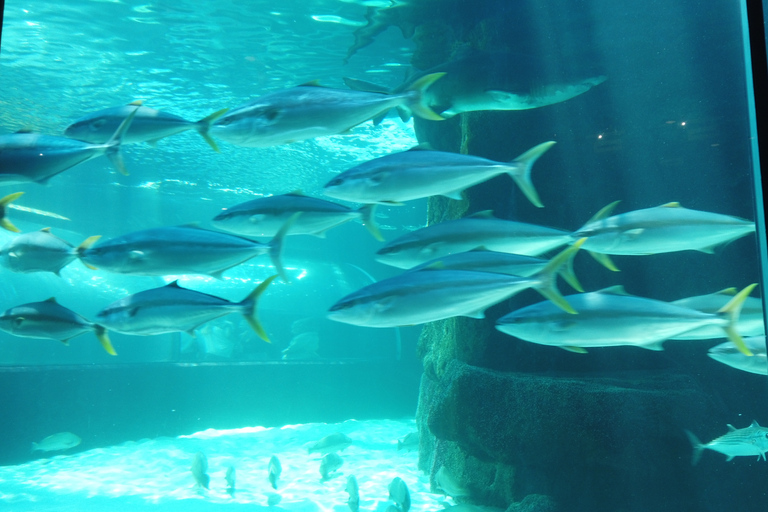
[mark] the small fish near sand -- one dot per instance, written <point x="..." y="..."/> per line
<point x="399" y="493"/>
<point x="331" y="443"/>
<point x="409" y="442"/>
<point x="274" y="469"/>
<point x="199" y="470"/>
<point x="353" y="502"/>
<point x="230" y="478"/>
<point x="738" y="442"/>
<point x="330" y="463"/>
<point x="57" y="442"/>
<point x="448" y="484"/>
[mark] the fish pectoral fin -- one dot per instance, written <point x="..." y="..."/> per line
<point x="256" y="218"/>
<point x="604" y="260"/>
<point x="456" y="194"/>
<point x="191" y="332"/>
<point x="480" y="313"/>
<point x="656" y="345"/>
<point x="575" y="350"/>
<point x="731" y="428"/>
<point x="632" y="234"/>
<point x="730" y="458"/>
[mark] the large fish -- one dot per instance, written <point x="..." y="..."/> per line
<point x="421" y="172"/>
<point x="50" y="320"/>
<point x="611" y="317"/>
<point x="33" y="157"/>
<point x="4" y="204"/>
<point x="433" y="294"/>
<point x="738" y="442"/>
<point x="665" y="228"/>
<point x="751" y="321"/>
<point x="480" y="80"/>
<point x="149" y="125"/>
<point x="481" y="230"/>
<point x="57" y="442"/>
<point x="180" y="250"/>
<point x="264" y="216"/>
<point x="310" y="111"/>
<point x="172" y="308"/>
<point x="39" y="251"/>
<point x="726" y="353"/>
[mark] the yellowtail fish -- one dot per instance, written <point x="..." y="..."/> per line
<point x="38" y="251"/>
<point x="751" y="321"/>
<point x="728" y="354"/>
<point x="738" y="442"/>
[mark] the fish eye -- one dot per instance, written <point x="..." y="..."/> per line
<point x="98" y="124"/>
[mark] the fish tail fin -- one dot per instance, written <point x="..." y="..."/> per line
<point x="85" y="245"/>
<point x="418" y="107"/>
<point x="367" y="212"/>
<point x="113" y="144"/>
<point x="698" y="448"/>
<point x="35" y="447"/>
<point x="604" y="260"/>
<point x="521" y="171"/>
<point x="103" y="337"/>
<point x="4" y="202"/>
<point x="276" y="246"/>
<point x="250" y="310"/>
<point x="204" y="125"/>
<point x="731" y="312"/>
<point x="548" y="281"/>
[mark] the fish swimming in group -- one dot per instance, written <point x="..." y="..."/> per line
<point x="611" y="317"/>
<point x="481" y="80"/>
<point x="33" y="157"/>
<point x="331" y="443"/>
<point x="172" y="308"/>
<point x="330" y="463"/>
<point x="409" y="442"/>
<point x="662" y="229"/>
<point x="751" y="321"/>
<point x="422" y="172"/>
<point x="752" y="440"/>
<point x="728" y="354"/>
<point x="353" y="501"/>
<point x="57" y="442"/>
<point x="40" y="251"/>
<point x="310" y="110"/>
<point x="4" y="204"/>
<point x="180" y="250"/>
<point x="448" y="485"/>
<point x="433" y="294"/>
<point x="230" y="478"/>
<point x="50" y="320"/>
<point x="399" y="493"/>
<point x="266" y="215"/>
<point x="149" y="125"/>
<point x="274" y="470"/>
<point x="199" y="470"/>
<point x="480" y="230"/>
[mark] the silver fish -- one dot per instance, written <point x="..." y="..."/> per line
<point x="33" y="157"/>
<point x="274" y="470"/>
<point x="38" y="251"/>
<point x="421" y="172"/>
<point x="398" y="492"/>
<point x="230" y="478"/>
<point x="611" y="317"/>
<point x="172" y="308"/>
<point x="433" y="294"/>
<point x="481" y="230"/>
<point x="199" y="470"/>
<point x="738" y="442"/>
<point x="330" y="444"/>
<point x="266" y="215"/>
<point x="302" y="347"/>
<point x="149" y="125"/>
<point x="57" y="442"/>
<point x="180" y="250"/>
<point x="353" y="502"/>
<point x="5" y="203"/>
<point x="726" y="353"/>
<point x="448" y="484"/>
<point x="665" y="228"/>
<point x="330" y="463"/>
<point x="310" y="111"/>
<point x="409" y="442"/>
<point x="751" y="322"/>
<point x="50" y="320"/>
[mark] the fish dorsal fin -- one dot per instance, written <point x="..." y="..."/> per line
<point x="424" y="146"/>
<point x="136" y="103"/>
<point x="46" y="230"/>
<point x="614" y="290"/>
<point x="437" y="265"/>
<point x="754" y="424"/>
<point x="312" y="83"/>
<point x="52" y="300"/>
<point x="673" y="204"/>
<point x="193" y="225"/>
<point x="26" y="129"/>
<point x="731" y="428"/>
<point x="603" y="213"/>
<point x="174" y="284"/>
<point x="297" y="192"/>
<point x="727" y="291"/>
<point x="485" y="214"/>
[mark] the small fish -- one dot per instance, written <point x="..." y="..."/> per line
<point x="149" y="125"/>
<point x="172" y="308"/>
<point x="180" y="250"/>
<point x="433" y="294"/>
<point x="199" y="470"/>
<point x="329" y="464"/>
<point x="39" y="251"/>
<point x="274" y="471"/>
<point x="302" y="347"/>
<point x="726" y="353"/>
<point x="665" y="228"/>
<point x="421" y="172"/>
<point x="752" y="440"/>
<point x="32" y="157"/>
<point x="310" y="111"/>
<point x="398" y="492"/>
<point x="448" y="484"/>
<point x="331" y="443"/>
<point x="408" y="443"/>
<point x="50" y="320"/>
<point x="57" y="442"/>
<point x="273" y="499"/>
<point x="751" y="321"/>
<point x="611" y="317"/>
<point x="230" y="478"/>
<point x="5" y="203"/>
<point x="266" y="215"/>
<point x="481" y="230"/>
<point x="353" y="502"/>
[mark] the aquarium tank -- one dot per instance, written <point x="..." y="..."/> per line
<point x="383" y="255"/>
